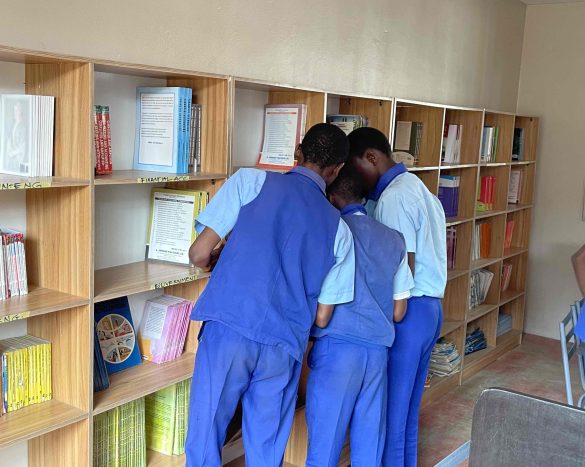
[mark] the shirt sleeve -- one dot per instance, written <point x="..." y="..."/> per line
<point x="223" y="210"/>
<point x="338" y="286"/>
<point x="403" y="280"/>
<point x="399" y="214"/>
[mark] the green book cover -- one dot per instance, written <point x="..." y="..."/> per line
<point x="160" y="414"/>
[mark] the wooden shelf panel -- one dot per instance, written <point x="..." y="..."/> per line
<point x="420" y="168"/>
<point x="510" y="295"/>
<point x="482" y="263"/>
<point x="450" y="221"/>
<point x="514" y="251"/>
<point x="517" y="207"/>
<point x="133" y="278"/>
<point x="486" y="214"/>
<point x="36" y="420"/>
<point x="38" y="301"/>
<point x="512" y="337"/>
<point x="14" y="182"/>
<point x="457" y="166"/>
<point x="455" y="273"/>
<point x="476" y="358"/>
<point x="450" y="326"/>
<point x="480" y="311"/>
<point x="156" y="459"/>
<point x="126" y="177"/>
<point x="141" y="380"/>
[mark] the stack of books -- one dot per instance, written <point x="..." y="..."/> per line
<point x="452" y="136"/>
<point x="489" y="144"/>
<point x="475" y="341"/>
<point x="25" y="373"/>
<point x="449" y="194"/>
<point x="482" y="234"/>
<point x="445" y="358"/>
<point x="118" y="436"/>
<point x="408" y="138"/>
<point x="26" y="135"/>
<point x="479" y="287"/>
<point x="518" y="144"/>
<point x="102" y="139"/>
<point x="504" y="324"/>
<point x="506" y="276"/>
<point x="13" y="278"/>
<point x="195" y="139"/>
<point x="347" y="123"/>
<point x="509" y="234"/>
<point x="486" y="193"/>
<point x="451" y="246"/>
<point x="163" y="125"/>
<point x="514" y="186"/>
<point x="164" y="328"/>
<point x="101" y="380"/>
<point x="167" y="413"/>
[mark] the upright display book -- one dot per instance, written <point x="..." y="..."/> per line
<point x="100" y="372"/>
<point x="284" y="129"/>
<point x="171" y="229"/>
<point x="116" y="334"/>
<point x="13" y="276"/>
<point x="26" y="135"/>
<point x="347" y="123"/>
<point x="162" y="141"/>
<point x="518" y="145"/>
<point x="452" y="137"/>
<point x="408" y="138"/>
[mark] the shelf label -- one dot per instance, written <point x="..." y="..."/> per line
<point x="182" y="280"/>
<point x="14" y="317"/>
<point x="172" y="178"/>
<point x="24" y="185"/>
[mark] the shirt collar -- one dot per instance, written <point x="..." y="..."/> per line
<point x="314" y="176"/>
<point x="386" y="179"/>
<point x="353" y="208"/>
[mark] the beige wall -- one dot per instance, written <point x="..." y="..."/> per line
<point x="552" y="85"/>
<point x="463" y="52"/>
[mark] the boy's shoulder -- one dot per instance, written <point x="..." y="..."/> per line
<point x="388" y="234"/>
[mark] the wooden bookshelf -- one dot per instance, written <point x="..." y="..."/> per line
<point x="82" y="250"/>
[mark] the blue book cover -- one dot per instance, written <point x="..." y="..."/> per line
<point x="449" y="194"/>
<point x="158" y="143"/>
<point x="116" y="334"/>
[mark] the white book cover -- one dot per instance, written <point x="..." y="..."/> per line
<point x="450" y="144"/>
<point x="514" y="186"/>
<point x="402" y="136"/>
<point x="16" y="140"/>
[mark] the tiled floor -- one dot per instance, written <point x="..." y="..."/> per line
<point x="534" y="367"/>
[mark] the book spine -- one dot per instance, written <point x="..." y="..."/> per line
<point x="108" y="139"/>
<point x="96" y="139"/>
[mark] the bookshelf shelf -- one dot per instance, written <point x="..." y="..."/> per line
<point x="141" y="380"/>
<point x="14" y="182"/>
<point x="156" y="459"/>
<point x="455" y="273"/>
<point x="510" y="338"/>
<point x="450" y="326"/>
<point x="518" y="207"/>
<point x="141" y="276"/>
<point x="479" y="311"/>
<point x="488" y="214"/>
<point x="422" y="168"/>
<point x="514" y="251"/>
<point x="37" y="420"/>
<point x="445" y="166"/>
<point x="451" y="221"/>
<point x="510" y="295"/>
<point x="483" y="263"/>
<point x="127" y="177"/>
<point x="38" y="301"/>
<point x="513" y="163"/>
<point x="476" y="358"/>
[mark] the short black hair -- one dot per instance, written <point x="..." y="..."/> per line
<point x="364" y="138"/>
<point x="348" y="185"/>
<point x="325" y="145"/>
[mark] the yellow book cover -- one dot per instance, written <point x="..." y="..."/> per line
<point x="160" y="413"/>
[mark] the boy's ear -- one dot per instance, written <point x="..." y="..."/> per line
<point x="299" y="156"/>
<point x="337" y="169"/>
<point x="371" y="157"/>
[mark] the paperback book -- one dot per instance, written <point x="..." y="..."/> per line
<point x="449" y="194"/>
<point x="489" y="144"/>
<point x="102" y="139"/>
<point x="451" y="150"/>
<point x="408" y="138"/>
<point x="445" y="359"/>
<point x="518" y="145"/>
<point x="13" y="277"/>
<point x="486" y="193"/>
<point x="514" y="186"/>
<point x="451" y="246"/>
<point x="347" y="123"/>
<point x="504" y="324"/>
<point x="475" y="341"/>
<point x="479" y="287"/>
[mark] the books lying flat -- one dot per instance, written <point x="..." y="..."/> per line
<point x="284" y="129"/>
<point x="347" y="123"/>
<point x="504" y="324"/>
<point x="481" y="241"/>
<point x="119" y="437"/>
<point x="445" y="358"/>
<point x="26" y="135"/>
<point x="164" y="328"/>
<point x="479" y="287"/>
<point x="408" y="138"/>
<point x="163" y="116"/>
<point x="102" y="139"/>
<point x="171" y="230"/>
<point x="475" y="341"/>
<point x="451" y="246"/>
<point x="166" y="420"/>
<point x="514" y="186"/>
<point x="26" y="372"/>
<point x="489" y="144"/>
<point x="13" y="278"/>
<point x="449" y="194"/>
<point x="116" y="334"/>
<point x="452" y="137"/>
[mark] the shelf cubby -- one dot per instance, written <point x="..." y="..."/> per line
<point x="462" y="249"/>
<point x="505" y="124"/>
<point x="492" y="298"/>
<point x="488" y="324"/>
<point x="520" y="232"/>
<point x="378" y="110"/>
<point x="515" y="308"/>
<point x="517" y="285"/>
<point x="500" y="199"/>
<point x="497" y="232"/>
<point x="455" y="301"/>
<point x="471" y="120"/>
<point x="526" y="192"/>
<point x="530" y="126"/>
<point x="467" y="189"/>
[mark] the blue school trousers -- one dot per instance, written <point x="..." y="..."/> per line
<point x="408" y="363"/>
<point x="230" y="367"/>
<point x="346" y="388"/>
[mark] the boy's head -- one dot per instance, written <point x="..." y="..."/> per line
<point x="324" y="149"/>
<point x="348" y="188"/>
<point x="369" y="152"/>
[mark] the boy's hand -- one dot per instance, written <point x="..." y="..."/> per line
<point x="214" y="257"/>
<point x="399" y="310"/>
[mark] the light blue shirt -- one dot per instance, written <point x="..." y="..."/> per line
<point x="242" y="188"/>
<point x="405" y="204"/>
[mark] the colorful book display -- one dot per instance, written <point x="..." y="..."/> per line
<point x="347" y="123"/>
<point x="445" y="359"/>
<point x="26" y="135"/>
<point x="449" y="194"/>
<point x="479" y="287"/>
<point x="408" y="138"/>
<point x="116" y="334"/>
<point x="163" y="329"/>
<point x="13" y="278"/>
<point x="171" y="230"/>
<point x="102" y="138"/>
<point x="119" y="437"/>
<point x="489" y="144"/>
<point x="475" y="341"/>
<point x="25" y="372"/>
<point x="452" y="137"/>
<point x="166" y="420"/>
<point x="162" y="141"/>
<point x="486" y="193"/>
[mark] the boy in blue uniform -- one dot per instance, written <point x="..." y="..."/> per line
<point x="401" y="201"/>
<point x="288" y="251"/>
<point x="347" y="383"/>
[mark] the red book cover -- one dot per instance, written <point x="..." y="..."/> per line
<point x="108" y="139"/>
<point x="492" y="191"/>
<point x="97" y="140"/>
<point x="484" y="190"/>
<point x="103" y="142"/>
<point x="486" y="230"/>
<point x="509" y="233"/>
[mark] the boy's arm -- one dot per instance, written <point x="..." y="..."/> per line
<point x="203" y="253"/>
<point x="578" y="260"/>
<point x="324" y="314"/>
<point x="403" y="283"/>
<point x="401" y="215"/>
<point x="399" y="310"/>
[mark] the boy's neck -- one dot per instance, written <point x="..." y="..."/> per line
<point x="385" y="165"/>
<point x="342" y="203"/>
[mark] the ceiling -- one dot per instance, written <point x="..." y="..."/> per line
<point x="542" y="2"/>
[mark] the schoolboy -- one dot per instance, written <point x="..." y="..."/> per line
<point x="288" y="250"/>
<point x="347" y="386"/>
<point x="401" y="201"/>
